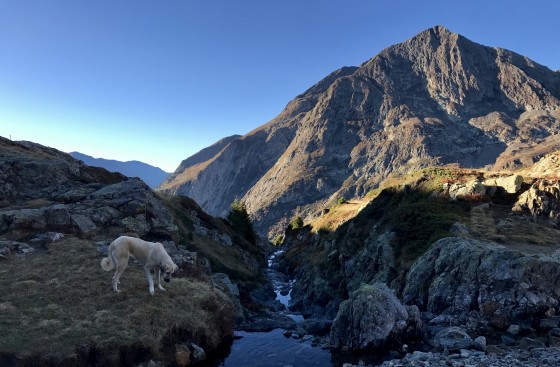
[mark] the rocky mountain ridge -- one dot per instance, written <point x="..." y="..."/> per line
<point x="151" y="175"/>
<point x="436" y="98"/>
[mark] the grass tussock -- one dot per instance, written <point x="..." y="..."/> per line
<point x="51" y="302"/>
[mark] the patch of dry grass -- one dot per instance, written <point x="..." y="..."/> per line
<point x="481" y="223"/>
<point x="487" y="223"/>
<point x="337" y="215"/>
<point x="53" y="301"/>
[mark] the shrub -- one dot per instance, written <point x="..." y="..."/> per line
<point x="296" y="223"/>
<point x="279" y="240"/>
<point x="341" y="200"/>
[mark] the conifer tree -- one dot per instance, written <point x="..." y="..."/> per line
<point x="240" y="221"/>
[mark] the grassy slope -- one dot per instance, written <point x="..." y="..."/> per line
<point x="52" y="302"/>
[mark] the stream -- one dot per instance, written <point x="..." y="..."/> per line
<point x="273" y="349"/>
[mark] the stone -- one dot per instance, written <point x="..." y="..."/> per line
<point x="182" y="355"/>
<point x="511" y="184"/>
<point x="59" y="218"/>
<point x="542" y="199"/>
<point x="471" y="188"/>
<point x="198" y="354"/>
<point x="550" y="322"/>
<point x="83" y="224"/>
<point x="479" y="343"/>
<point x="507" y="340"/>
<point x="372" y="317"/>
<point x="419" y="356"/>
<point x="453" y="339"/>
<point x="317" y="327"/>
<point x="494" y="349"/>
<point x="513" y="330"/>
<point x="9" y="248"/>
<point x="45" y="238"/>
<point x="530" y="343"/>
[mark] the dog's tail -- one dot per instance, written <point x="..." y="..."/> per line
<point x="107" y="264"/>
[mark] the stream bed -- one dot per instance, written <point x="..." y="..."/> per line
<point x="273" y="349"/>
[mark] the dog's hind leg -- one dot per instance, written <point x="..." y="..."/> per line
<point x="116" y="277"/>
<point x="116" y="281"/>
<point x="150" y="280"/>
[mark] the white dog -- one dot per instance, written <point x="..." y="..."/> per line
<point x="151" y="255"/>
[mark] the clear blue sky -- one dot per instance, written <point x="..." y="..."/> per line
<point x="157" y="81"/>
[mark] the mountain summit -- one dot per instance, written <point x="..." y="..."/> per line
<point x="436" y="98"/>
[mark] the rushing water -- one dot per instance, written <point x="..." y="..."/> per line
<point x="273" y="349"/>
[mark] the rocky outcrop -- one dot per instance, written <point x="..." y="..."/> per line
<point x="128" y="204"/>
<point x="373" y="317"/>
<point x="484" y="186"/>
<point x="435" y="98"/>
<point x="44" y="190"/>
<point x="460" y="275"/>
<point x="542" y="199"/>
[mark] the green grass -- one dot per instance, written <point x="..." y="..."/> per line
<point x="51" y="302"/>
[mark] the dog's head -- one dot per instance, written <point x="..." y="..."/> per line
<point x="166" y="270"/>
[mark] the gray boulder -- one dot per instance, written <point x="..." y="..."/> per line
<point x="458" y="275"/>
<point x="542" y="198"/>
<point x="372" y="317"/>
<point x="453" y="339"/>
<point x="511" y="184"/>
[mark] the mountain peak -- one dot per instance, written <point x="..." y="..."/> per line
<point x="435" y="35"/>
<point x="436" y="98"/>
<point x="439" y="31"/>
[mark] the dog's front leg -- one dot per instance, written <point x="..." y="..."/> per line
<point x="159" y="279"/>
<point x="150" y="280"/>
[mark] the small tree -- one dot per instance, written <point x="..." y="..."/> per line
<point x="241" y="222"/>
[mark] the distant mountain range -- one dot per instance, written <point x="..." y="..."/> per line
<point x="152" y="176"/>
<point x="437" y="98"/>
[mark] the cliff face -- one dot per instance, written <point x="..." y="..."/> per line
<point x="434" y="99"/>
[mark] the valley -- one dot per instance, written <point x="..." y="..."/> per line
<point x="404" y="212"/>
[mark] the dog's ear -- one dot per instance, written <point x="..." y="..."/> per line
<point x="175" y="267"/>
